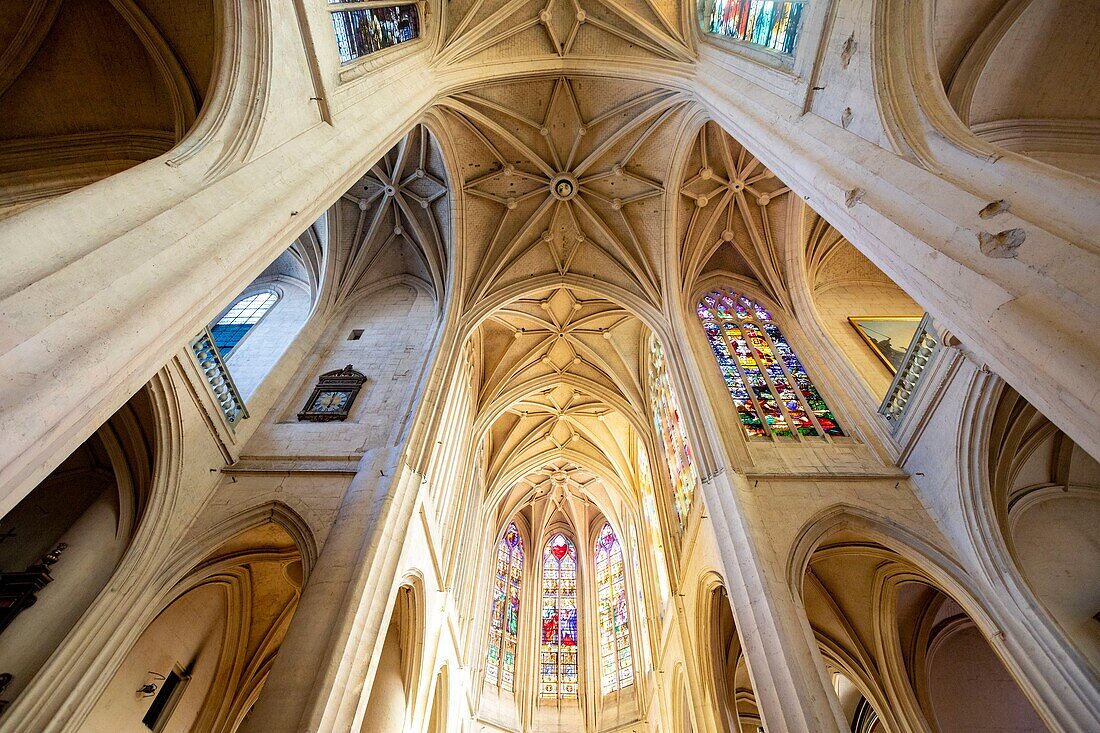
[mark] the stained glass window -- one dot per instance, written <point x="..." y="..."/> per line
<point x="772" y="24"/>
<point x="666" y="418"/>
<point x="362" y="31"/>
<point x="500" y="667"/>
<point x="616" y="666"/>
<point x="770" y="388"/>
<point x="558" y="650"/>
<point x="653" y="527"/>
<point x="240" y="318"/>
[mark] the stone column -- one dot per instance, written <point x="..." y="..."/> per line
<point x="328" y="654"/>
<point x="790" y="684"/>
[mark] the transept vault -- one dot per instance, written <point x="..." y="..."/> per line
<point x="541" y="366"/>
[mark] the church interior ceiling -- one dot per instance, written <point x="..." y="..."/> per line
<point x="582" y="203"/>
<point x="393" y="223"/>
<point x="511" y="29"/>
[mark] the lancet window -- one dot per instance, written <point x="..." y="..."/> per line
<point x="773" y="24"/>
<point x="770" y="388"/>
<point x="616" y="665"/>
<point x="364" y="30"/>
<point x="500" y="667"/>
<point x="240" y="318"/>
<point x="653" y="527"/>
<point x="666" y="418"/>
<point x="558" y="648"/>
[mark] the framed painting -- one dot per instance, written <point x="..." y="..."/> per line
<point x="888" y="336"/>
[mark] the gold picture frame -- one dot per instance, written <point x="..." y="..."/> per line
<point x="888" y="336"/>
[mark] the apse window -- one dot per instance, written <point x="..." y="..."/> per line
<point x="368" y="27"/>
<point x="500" y="666"/>
<point x="558" y="651"/>
<point x="616" y="663"/>
<point x="766" y="23"/>
<point x="240" y="318"/>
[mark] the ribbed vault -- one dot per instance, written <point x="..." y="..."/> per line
<point x="394" y="224"/>
<point x="564" y="175"/>
<point x="636" y="29"/>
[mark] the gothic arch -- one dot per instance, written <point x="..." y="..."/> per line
<point x="388" y="699"/>
<point x="222" y="625"/>
<point x="898" y="572"/>
<point x="172" y="92"/>
<point x="1014" y="461"/>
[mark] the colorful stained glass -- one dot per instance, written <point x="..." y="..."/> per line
<point x="500" y="667"/>
<point x="653" y="528"/>
<point x="363" y="31"/>
<point x="773" y="24"/>
<point x="780" y="400"/>
<point x="642" y="622"/>
<point x="558" y="650"/>
<point x="616" y="665"/>
<point x="240" y="318"/>
<point x="666" y="418"/>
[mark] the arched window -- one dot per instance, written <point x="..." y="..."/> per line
<point x="772" y="24"/>
<point x="363" y="30"/>
<point x="500" y="668"/>
<point x="616" y="666"/>
<point x="780" y="399"/>
<point x="666" y="418"/>
<point x="240" y="318"/>
<point x="558" y="662"/>
<point x="653" y="527"/>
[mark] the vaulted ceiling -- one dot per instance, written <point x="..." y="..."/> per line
<point x="474" y="30"/>
<point x="588" y="205"/>
<point x="392" y="225"/>
<point x="564" y="175"/>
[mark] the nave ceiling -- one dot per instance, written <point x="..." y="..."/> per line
<point x="584" y="208"/>
<point x="639" y="30"/>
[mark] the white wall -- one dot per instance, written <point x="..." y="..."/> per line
<point x="188" y="632"/>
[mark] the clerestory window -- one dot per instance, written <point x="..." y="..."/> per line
<point x="558" y="650"/>
<point x="368" y="27"/>
<point x="241" y="317"/>
<point x="500" y="667"/>
<point x="771" y="24"/>
<point x="616" y="664"/>
<point x="666" y="419"/>
<point x="771" y="390"/>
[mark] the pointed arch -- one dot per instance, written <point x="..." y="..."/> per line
<point x="558" y="669"/>
<point x="500" y="664"/>
<point x="616" y="662"/>
<point x="771" y="390"/>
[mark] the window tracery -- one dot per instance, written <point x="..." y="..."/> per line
<point x="653" y="527"/>
<point x="500" y="666"/>
<point x="240" y="318"/>
<point x="364" y="30"/>
<point x="770" y="388"/>
<point x="558" y="650"/>
<point x="616" y="665"/>
<point x="772" y="24"/>
<point x="666" y="418"/>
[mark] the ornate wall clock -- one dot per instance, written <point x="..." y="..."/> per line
<point x="333" y="396"/>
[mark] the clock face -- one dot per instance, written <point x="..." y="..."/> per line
<point x="330" y="402"/>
